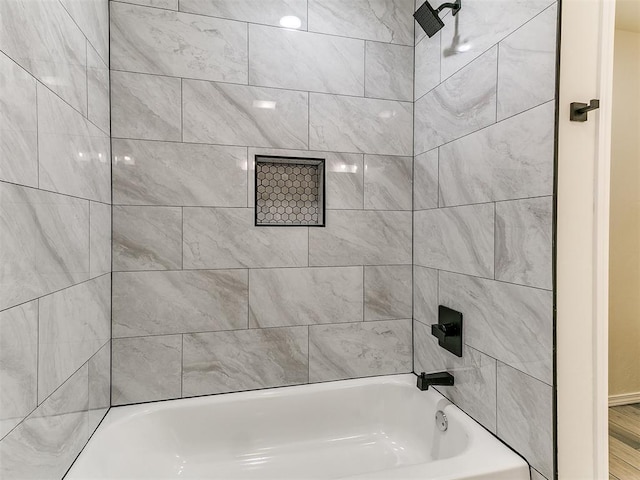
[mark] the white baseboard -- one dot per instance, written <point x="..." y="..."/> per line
<point x="624" y="399"/>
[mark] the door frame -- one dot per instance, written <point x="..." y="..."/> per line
<point x="582" y="240"/>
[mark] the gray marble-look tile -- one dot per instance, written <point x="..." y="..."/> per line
<point x="73" y="324"/>
<point x="228" y="238"/>
<point x="425" y="180"/>
<point x="464" y="103"/>
<point x="43" y="39"/>
<point x="511" y="159"/>
<point x="92" y="16"/>
<point x="178" y="174"/>
<point x="166" y="4"/>
<point x="44" y="243"/>
<point x="509" y="322"/>
<point x="99" y="110"/>
<point x="425" y="295"/>
<point x="266" y="12"/>
<point x="387" y="182"/>
<point x="524" y="242"/>
<point x="362" y="238"/>
<point x="162" y="303"/>
<point x="344" y="176"/>
<point x="151" y="40"/>
<point x="387" y="292"/>
<point x="99" y="386"/>
<point x="475" y="375"/>
<point x="535" y="475"/>
<point x="73" y="153"/>
<point x="389" y="71"/>
<point x="147" y="238"/>
<point x="281" y="297"/>
<point x="458" y="239"/>
<point x="527" y="65"/>
<point x="99" y="239"/>
<point x="48" y="441"/>
<point x="427" y="64"/>
<point x="480" y="25"/>
<point x="362" y="349"/>
<point x="242" y="115"/>
<point x="145" y="106"/>
<point x="381" y="20"/>
<point x="286" y="58"/>
<point x="525" y="417"/>
<point x="18" y="125"/>
<point x="18" y="364"/>
<point x="361" y="125"/>
<point x="145" y="369"/>
<point x="245" y="360"/>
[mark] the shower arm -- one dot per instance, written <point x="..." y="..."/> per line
<point x="455" y="7"/>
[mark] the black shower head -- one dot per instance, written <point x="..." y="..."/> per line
<point x="429" y="19"/>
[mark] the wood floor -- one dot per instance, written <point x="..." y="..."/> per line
<point x="624" y="442"/>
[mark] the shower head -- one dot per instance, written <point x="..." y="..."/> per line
<point x="429" y="19"/>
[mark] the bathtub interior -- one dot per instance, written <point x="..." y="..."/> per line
<point x="313" y="431"/>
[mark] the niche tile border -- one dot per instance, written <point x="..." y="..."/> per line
<point x="289" y="191"/>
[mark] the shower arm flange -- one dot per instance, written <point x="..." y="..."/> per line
<point x="455" y="7"/>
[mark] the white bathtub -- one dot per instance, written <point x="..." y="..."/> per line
<point x="381" y="427"/>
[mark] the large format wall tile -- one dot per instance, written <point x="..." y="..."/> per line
<point x="99" y="386"/>
<point x="459" y="239"/>
<point x="387" y="182"/>
<point x="362" y="238"/>
<point x="18" y="125"/>
<point x="425" y="180"/>
<point x="344" y="176"/>
<point x="359" y="349"/>
<point x="92" y="16"/>
<point x="73" y="324"/>
<point x="509" y="322"/>
<point x="527" y="64"/>
<point x="157" y="303"/>
<point x="43" y="39"/>
<point x="73" y="153"/>
<point x="166" y="4"/>
<point x="150" y="40"/>
<point x="464" y="103"/>
<point x="381" y="20"/>
<point x="99" y="239"/>
<point x="425" y="295"/>
<point x="305" y="61"/>
<point x="367" y="125"/>
<point x="244" y="360"/>
<point x="525" y="417"/>
<point x="475" y="375"/>
<point x="511" y="159"/>
<point x="427" y="65"/>
<point x="524" y="242"/>
<point x="147" y="238"/>
<point x="242" y="115"/>
<point x="389" y="71"/>
<point x="145" y="106"/>
<point x="48" y="441"/>
<point x="146" y="369"/>
<point x="304" y="296"/>
<point x="44" y="243"/>
<point x="18" y="364"/>
<point x="98" y="108"/>
<point x="480" y="25"/>
<point x="387" y="292"/>
<point x="267" y="12"/>
<point x="180" y="174"/>
<point x="227" y="238"/>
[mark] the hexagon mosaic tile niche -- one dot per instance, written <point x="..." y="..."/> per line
<point x="289" y="191"/>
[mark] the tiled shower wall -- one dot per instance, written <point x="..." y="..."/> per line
<point x="205" y="302"/>
<point x="484" y="155"/>
<point x="55" y="232"/>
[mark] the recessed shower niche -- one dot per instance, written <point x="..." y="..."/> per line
<point x="289" y="191"/>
